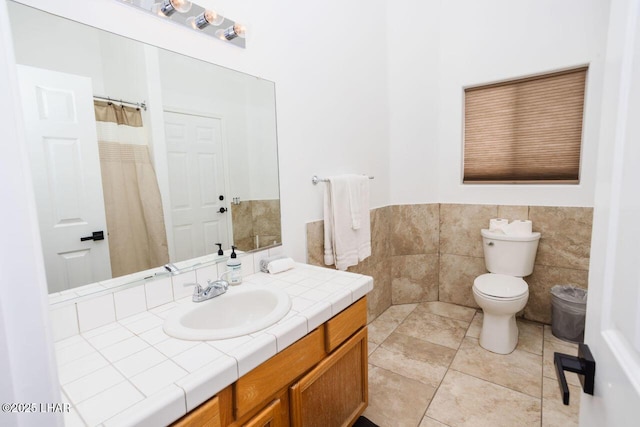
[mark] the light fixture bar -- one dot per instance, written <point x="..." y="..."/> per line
<point x="195" y="18"/>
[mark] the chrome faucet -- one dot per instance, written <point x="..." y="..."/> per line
<point x="171" y="268"/>
<point x="214" y="288"/>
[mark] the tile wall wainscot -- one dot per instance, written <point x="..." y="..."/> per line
<point x="433" y="252"/>
<point x="256" y="223"/>
<point x="378" y="265"/>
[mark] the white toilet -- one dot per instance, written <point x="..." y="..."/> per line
<point x="502" y="292"/>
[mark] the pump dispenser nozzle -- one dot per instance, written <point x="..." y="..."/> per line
<point x="235" y="268"/>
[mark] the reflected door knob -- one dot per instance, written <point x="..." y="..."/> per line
<point x="222" y="210"/>
<point x="96" y="235"/>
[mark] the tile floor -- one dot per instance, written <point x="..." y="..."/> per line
<point x="427" y="369"/>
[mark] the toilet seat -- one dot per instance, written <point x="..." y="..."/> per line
<point x="500" y="286"/>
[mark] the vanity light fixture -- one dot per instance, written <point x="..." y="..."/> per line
<point x="169" y="7"/>
<point x="195" y="17"/>
<point x="206" y="18"/>
<point x="236" y="30"/>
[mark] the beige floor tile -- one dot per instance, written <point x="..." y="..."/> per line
<point x="396" y="401"/>
<point x="415" y="344"/>
<point x="371" y="347"/>
<point x="388" y="321"/>
<point x="548" y="369"/>
<point x="420" y="370"/>
<point x="554" y="412"/>
<point x="463" y="400"/>
<point x="449" y="310"/>
<point x="418" y="349"/>
<point x="519" y="370"/>
<point x="433" y="328"/>
<point x="548" y="336"/>
<point x="430" y="422"/>
<point x="476" y="325"/>
<point x="530" y="336"/>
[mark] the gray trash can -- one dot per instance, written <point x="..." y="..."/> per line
<point x="568" y="310"/>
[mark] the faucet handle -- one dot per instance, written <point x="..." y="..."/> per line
<point x="197" y="289"/>
<point x="220" y="283"/>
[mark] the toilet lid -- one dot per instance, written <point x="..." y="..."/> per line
<point x="500" y="285"/>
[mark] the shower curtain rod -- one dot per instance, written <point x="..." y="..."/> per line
<point x="142" y="104"/>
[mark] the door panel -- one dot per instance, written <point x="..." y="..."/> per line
<point x="613" y="307"/>
<point x="196" y="180"/>
<point x="65" y="167"/>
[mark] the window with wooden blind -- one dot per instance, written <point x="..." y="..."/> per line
<point x="525" y="131"/>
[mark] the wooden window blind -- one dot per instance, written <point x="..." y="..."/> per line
<point x="525" y="131"/>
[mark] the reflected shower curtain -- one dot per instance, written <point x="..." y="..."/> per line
<point x="137" y="236"/>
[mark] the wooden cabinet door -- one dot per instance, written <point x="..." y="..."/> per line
<point x="205" y="415"/>
<point x="268" y="417"/>
<point x="335" y="392"/>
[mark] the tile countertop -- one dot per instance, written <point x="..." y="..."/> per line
<point x="131" y="373"/>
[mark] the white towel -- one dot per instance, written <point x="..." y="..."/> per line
<point x="347" y="226"/>
<point x="280" y="265"/>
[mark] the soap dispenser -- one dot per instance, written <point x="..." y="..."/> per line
<point x="234" y="266"/>
<point x="220" y="251"/>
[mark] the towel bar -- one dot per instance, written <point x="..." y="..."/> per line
<point x="315" y="179"/>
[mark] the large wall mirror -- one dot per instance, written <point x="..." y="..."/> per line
<point x="123" y="188"/>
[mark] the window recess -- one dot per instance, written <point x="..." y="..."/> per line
<point x="525" y="131"/>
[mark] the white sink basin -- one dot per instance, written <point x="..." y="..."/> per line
<point x="241" y="310"/>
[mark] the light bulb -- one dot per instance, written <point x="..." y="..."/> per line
<point x="169" y="7"/>
<point x="208" y="17"/>
<point x="237" y="30"/>
<point x="182" y="6"/>
<point x="240" y="30"/>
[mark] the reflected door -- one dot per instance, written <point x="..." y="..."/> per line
<point x="196" y="184"/>
<point x="65" y="168"/>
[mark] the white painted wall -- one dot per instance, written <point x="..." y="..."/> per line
<point x="494" y="40"/>
<point x="26" y="347"/>
<point x="262" y="144"/>
<point x="413" y="64"/>
<point x="441" y="47"/>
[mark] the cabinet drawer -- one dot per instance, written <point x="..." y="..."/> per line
<point x="279" y="371"/>
<point x="268" y="417"/>
<point x="345" y="324"/>
<point x="205" y="415"/>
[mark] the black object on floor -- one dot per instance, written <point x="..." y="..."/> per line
<point x="364" y="422"/>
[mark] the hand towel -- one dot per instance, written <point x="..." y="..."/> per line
<point x="280" y="265"/>
<point x="346" y="241"/>
<point x="355" y="186"/>
<point x="264" y="262"/>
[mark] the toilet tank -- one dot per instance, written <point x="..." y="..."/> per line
<point x="510" y="255"/>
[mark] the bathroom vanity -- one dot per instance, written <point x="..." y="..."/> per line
<point x="321" y="380"/>
<point x="309" y="368"/>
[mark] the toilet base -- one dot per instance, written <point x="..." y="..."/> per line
<point x="499" y="333"/>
